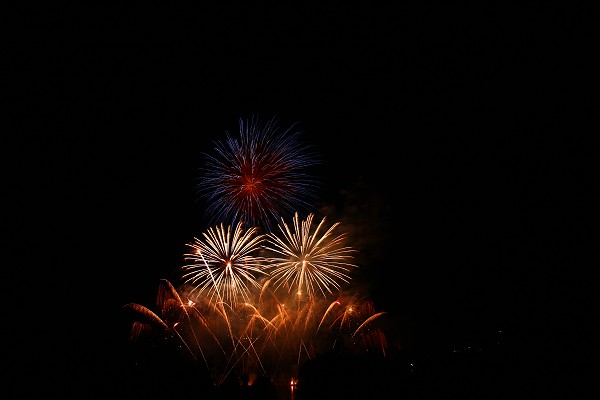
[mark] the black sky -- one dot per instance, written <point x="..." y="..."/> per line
<point x="445" y="132"/>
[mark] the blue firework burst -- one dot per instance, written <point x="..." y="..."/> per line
<point x="259" y="176"/>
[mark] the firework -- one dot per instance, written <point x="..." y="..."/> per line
<point x="256" y="302"/>
<point x="270" y="336"/>
<point x="309" y="261"/>
<point x="258" y="176"/>
<point x="223" y="265"/>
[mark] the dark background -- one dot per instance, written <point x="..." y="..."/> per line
<point x="450" y="135"/>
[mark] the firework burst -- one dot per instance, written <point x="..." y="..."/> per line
<point x="258" y="176"/>
<point x="271" y="336"/>
<point x="223" y="265"/>
<point x="307" y="261"/>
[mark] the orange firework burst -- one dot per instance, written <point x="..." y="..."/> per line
<point x="270" y="336"/>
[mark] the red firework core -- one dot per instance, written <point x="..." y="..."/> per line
<point x="251" y="186"/>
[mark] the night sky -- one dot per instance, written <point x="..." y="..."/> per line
<point x="447" y="134"/>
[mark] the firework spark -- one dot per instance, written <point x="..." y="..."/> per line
<point x="306" y="261"/>
<point x="259" y="176"/>
<point x="223" y="265"/>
